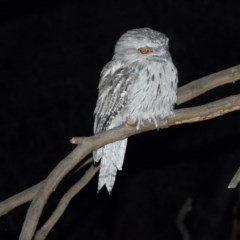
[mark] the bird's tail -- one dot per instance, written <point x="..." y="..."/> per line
<point x="112" y="157"/>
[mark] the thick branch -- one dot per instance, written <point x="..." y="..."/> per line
<point x="19" y="199"/>
<point x="207" y="111"/>
<point x="186" y="115"/>
<point x="25" y="196"/>
<point x="185" y="93"/>
<point x="202" y="85"/>
<point x="42" y="191"/>
<point x="46" y="228"/>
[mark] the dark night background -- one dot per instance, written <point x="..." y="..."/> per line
<point x="51" y="54"/>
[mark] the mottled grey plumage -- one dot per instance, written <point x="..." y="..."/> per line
<point x="139" y="83"/>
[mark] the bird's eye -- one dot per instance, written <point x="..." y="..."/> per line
<point x="143" y="50"/>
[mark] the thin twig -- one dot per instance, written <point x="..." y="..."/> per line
<point x="185" y="209"/>
<point x="235" y="180"/>
<point x="46" y="228"/>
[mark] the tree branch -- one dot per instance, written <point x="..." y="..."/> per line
<point x="204" y="84"/>
<point x="185" y="93"/>
<point x="25" y="196"/>
<point x="19" y="199"/>
<point x="186" y="115"/>
<point x="46" y="228"/>
<point x="235" y="180"/>
<point x="185" y="209"/>
<point x="41" y="192"/>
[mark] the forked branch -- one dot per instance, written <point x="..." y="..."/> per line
<point x="40" y="193"/>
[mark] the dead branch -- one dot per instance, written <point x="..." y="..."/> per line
<point x="235" y="180"/>
<point x="41" y="192"/>
<point x="187" y="115"/>
<point x="19" y="199"/>
<point x="204" y="84"/>
<point x="46" y="228"/>
<point x="25" y="196"/>
<point x="184" y="210"/>
<point x="185" y="93"/>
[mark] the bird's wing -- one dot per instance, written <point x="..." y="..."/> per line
<point x="115" y="79"/>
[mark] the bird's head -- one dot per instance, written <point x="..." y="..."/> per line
<point x="143" y="44"/>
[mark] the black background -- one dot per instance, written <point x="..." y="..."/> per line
<point x="51" y="54"/>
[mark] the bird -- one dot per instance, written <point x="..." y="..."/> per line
<point x="139" y="84"/>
